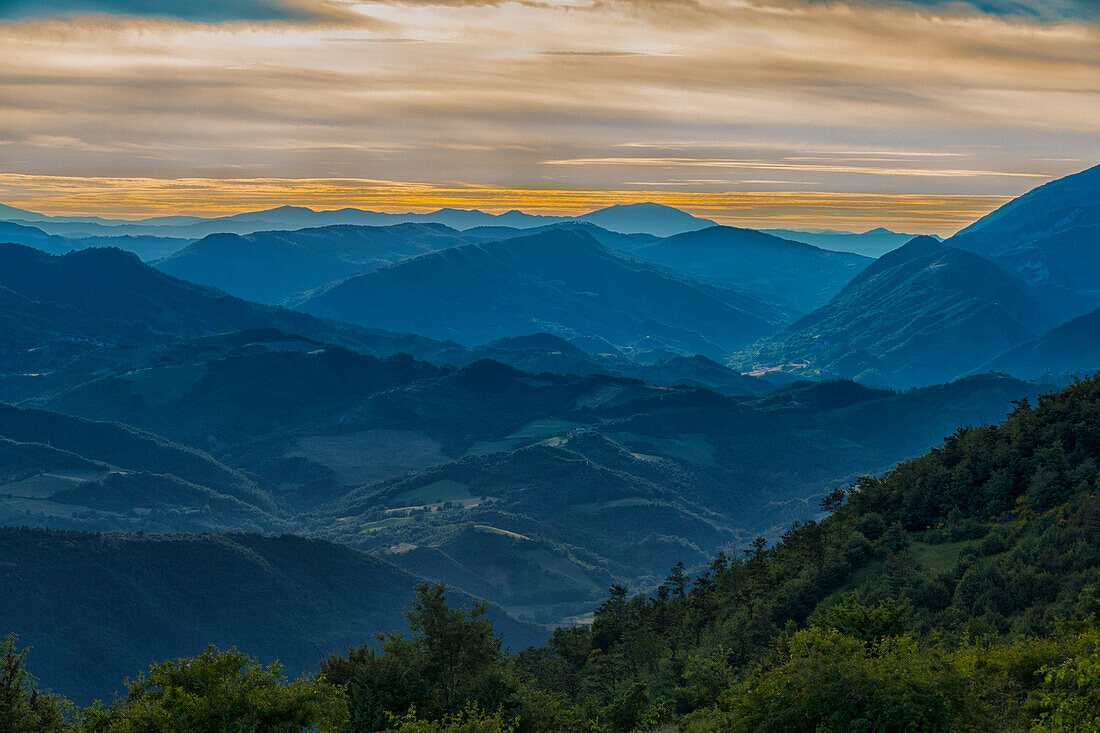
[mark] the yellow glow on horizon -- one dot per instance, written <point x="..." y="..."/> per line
<point x="143" y="197"/>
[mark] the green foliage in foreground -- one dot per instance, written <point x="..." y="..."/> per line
<point x="957" y="592"/>
<point x="215" y="692"/>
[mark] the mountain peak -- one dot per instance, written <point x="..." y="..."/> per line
<point x="641" y="206"/>
<point x="645" y="217"/>
<point x="288" y="208"/>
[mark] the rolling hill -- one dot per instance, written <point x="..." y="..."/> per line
<point x="33" y="237"/>
<point x="770" y="268"/>
<point x="397" y="456"/>
<point x="645" y="218"/>
<point x="126" y="600"/>
<point x="922" y="314"/>
<point x="871" y="243"/>
<point x="563" y="282"/>
<point x="83" y="300"/>
<point x="1071" y="349"/>
<point x="269" y="267"/>
<point x="642" y="217"/>
<point x="64" y="472"/>
<point x="1050" y="235"/>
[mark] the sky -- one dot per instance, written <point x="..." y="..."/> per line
<point x="847" y="114"/>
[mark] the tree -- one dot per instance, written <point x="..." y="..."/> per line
<point x="807" y="541"/>
<point x="23" y="708"/>
<point x="1070" y="694"/>
<point x="457" y="645"/>
<point x="452" y="660"/>
<point x="220" y="692"/>
<point x="833" y="500"/>
<point x="470" y="720"/>
<point x="826" y="681"/>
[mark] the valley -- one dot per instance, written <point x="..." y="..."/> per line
<point x="533" y="416"/>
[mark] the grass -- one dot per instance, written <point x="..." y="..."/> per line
<point x="45" y="485"/>
<point x="536" y="430"/>
<point x="939" y="558"/>
<point x="688" y="447"/>
<point x="436" y="492"/>
<point x="485" y="447"/>
<point x="368" y="456"/>
<point x="372" y="527"/>
<point x="165" y="385"/>
<point x="539" y="429"/>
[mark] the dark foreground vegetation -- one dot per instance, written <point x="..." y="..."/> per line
<point x="956" y="592"/>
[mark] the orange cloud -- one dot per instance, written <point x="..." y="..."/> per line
<point x="136" y="197"/>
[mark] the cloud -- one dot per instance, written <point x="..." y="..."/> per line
<point x="1044" y="10"/>
<point x="723" y="96"/>
<point x="793" y="166"/>
<point x="205" y="11"/>
<point x="135" y="197"/>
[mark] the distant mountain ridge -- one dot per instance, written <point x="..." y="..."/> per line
<point x="922" y="314"/>
<point x="767" y="267"/>
<point x="87" y="297"/>
<point x="1071" y="349"/>
<point x="269" y="267"/>
<point x="629" y="218"/>
<point x="1050" y="235"/>
<point x="563" y="282"/>
<point x="871" y="243"/>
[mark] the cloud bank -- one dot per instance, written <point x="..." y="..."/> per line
<point x="704" y="98"/>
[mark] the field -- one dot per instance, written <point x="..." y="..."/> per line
<point x="368" y="456"/>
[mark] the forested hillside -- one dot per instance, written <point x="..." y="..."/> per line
<point x="958" y="591"/>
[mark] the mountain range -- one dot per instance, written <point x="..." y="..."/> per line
<point x="433" y="467"/>
<point x="167" y="595"/>
<point x="798" y="275"/>
<point x="269" y="267"/>
<point x="922" y="314"/>
<point x="562" y="282"/>
<point x="624" y="218"/>
<point x="927" y="312"/>
<point x="90" y="298"/>
<point x="871" y="243"/>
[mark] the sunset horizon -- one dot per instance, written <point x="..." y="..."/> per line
<point x="917" y="116"/>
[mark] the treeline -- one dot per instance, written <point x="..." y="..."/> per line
<point x="957" y="592"/>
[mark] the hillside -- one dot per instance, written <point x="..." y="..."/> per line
<point x="645" y="218"/>
<point x="558" y="281"/>
<point x="922" y="314"/>
<point x="33" y="237"/>
<point x="1071" y="349"/>
<point x="956" y="592"/>
<point x="90" y="296"/>
<point x="330" y="435"/>
<point x="125" y="600"/>
<point x="770" y="268"/>
<point x="64" y="472"/>
<point x="1047" y="236"/>
<point x="269" y="267"/>
<point x="871" y="243"/>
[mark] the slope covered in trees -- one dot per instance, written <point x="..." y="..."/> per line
<point x="956" y="592"/>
